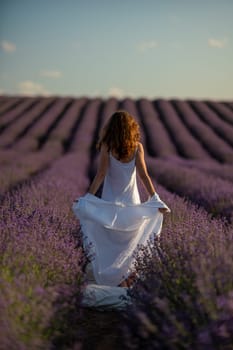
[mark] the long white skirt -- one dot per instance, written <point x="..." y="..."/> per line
<point x="114" y="231"/>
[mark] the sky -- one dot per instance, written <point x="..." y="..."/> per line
<point x="124" y="48"/>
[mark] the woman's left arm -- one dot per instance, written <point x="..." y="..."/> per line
<point x="101" y="171"/>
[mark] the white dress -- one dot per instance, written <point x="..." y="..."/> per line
<point x="117" y="223"/>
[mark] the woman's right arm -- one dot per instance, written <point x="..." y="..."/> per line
<point x="142" y="170"/>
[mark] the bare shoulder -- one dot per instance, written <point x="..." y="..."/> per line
<point x="140" y="153"/>
<point x="140" y="147"/>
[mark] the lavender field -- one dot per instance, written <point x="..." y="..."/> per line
<point x="183" y="298"/>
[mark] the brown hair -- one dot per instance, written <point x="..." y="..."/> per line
<point x="120" y="134"/>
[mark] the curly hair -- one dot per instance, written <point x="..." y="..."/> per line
<point x="120" y="134"/>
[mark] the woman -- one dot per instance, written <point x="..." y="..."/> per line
<point x="118" y="223"/>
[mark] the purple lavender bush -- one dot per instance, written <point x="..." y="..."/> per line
<point x="44" y="124"/>
<point x="187" y="145"/>
<point x="23" y="126"/>
<point x="71" y="116"/>
<point x="84" y="135"/>
<point x="17" y="167"/>
<point x="17" y="112"/>
<point x="182" y="298"/>
<point x="42" y="260"/>
<point x="206" y="190"/>
<point x="7" y="103"/>
<point x="212" y="119"/>
<point x="214" y="168"/>
<point x="158" y="140"/>
<point x="224" y="110"/>
<point x="217" y="146"/>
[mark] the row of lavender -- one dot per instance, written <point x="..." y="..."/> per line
<point x="184" y="294"/>
<point x="207" y="186"/>
<point x="42" y="261"/>
<point x="183" y="299"/>
<point x="191" y="129"/>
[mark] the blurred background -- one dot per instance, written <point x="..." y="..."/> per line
<point x="130" y="48"/>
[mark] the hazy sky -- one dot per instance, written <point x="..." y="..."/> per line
<point x="135" y="48"/>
